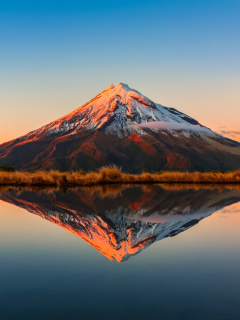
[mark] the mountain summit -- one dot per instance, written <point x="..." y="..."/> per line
<point x="113" y="111"/>
<point x="123" y="127"/>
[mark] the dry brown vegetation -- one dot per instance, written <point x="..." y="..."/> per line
<point x="112" y="174"/>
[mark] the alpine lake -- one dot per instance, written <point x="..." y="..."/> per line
<point x="120" y="252"/>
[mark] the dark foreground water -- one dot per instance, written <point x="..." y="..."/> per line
<point x="112" y="253"/>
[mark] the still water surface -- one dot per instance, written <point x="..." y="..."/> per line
<point x="120" y="253"/>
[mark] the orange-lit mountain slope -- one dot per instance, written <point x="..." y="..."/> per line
<point x="123" y="127"/>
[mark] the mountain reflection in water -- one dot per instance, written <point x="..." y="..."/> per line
<point x="121" y="221"/>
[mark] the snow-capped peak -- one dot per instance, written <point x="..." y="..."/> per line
<point x="115" y="110"/>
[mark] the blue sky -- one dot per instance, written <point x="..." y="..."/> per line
<point x="56" y="55"/>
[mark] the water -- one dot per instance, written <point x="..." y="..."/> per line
<point x="120" y="253"/>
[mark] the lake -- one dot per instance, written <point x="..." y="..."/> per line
<point x="112" y="252"/>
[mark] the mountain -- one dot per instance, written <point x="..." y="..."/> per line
<point x="123" y="223"/>
<point x="123" y="127"/>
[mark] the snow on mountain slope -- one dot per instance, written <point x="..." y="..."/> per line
<point x="123" y="127"/>
<point x="113" y="111"/>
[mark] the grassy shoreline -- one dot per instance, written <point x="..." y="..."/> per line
<point x="114" y="175"/>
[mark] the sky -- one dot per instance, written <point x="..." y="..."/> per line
<point x="55" y="55"/>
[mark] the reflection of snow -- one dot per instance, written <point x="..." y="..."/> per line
<point x="124" y="225"/>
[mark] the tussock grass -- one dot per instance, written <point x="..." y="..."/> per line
<point x="113" y="174"/>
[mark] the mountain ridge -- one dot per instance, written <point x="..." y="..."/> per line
<point x="108" y="95"/>
<point x="123" y="127"/>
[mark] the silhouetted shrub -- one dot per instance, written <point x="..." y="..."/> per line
<point x="6" y="169"/>
<point x="161" y="172"/>
<point x="64" y="178"/>
<point x="217" y="171"/>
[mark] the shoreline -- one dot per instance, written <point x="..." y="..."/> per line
<point x="120" y="183"/>
<point x="114" y="175"/>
